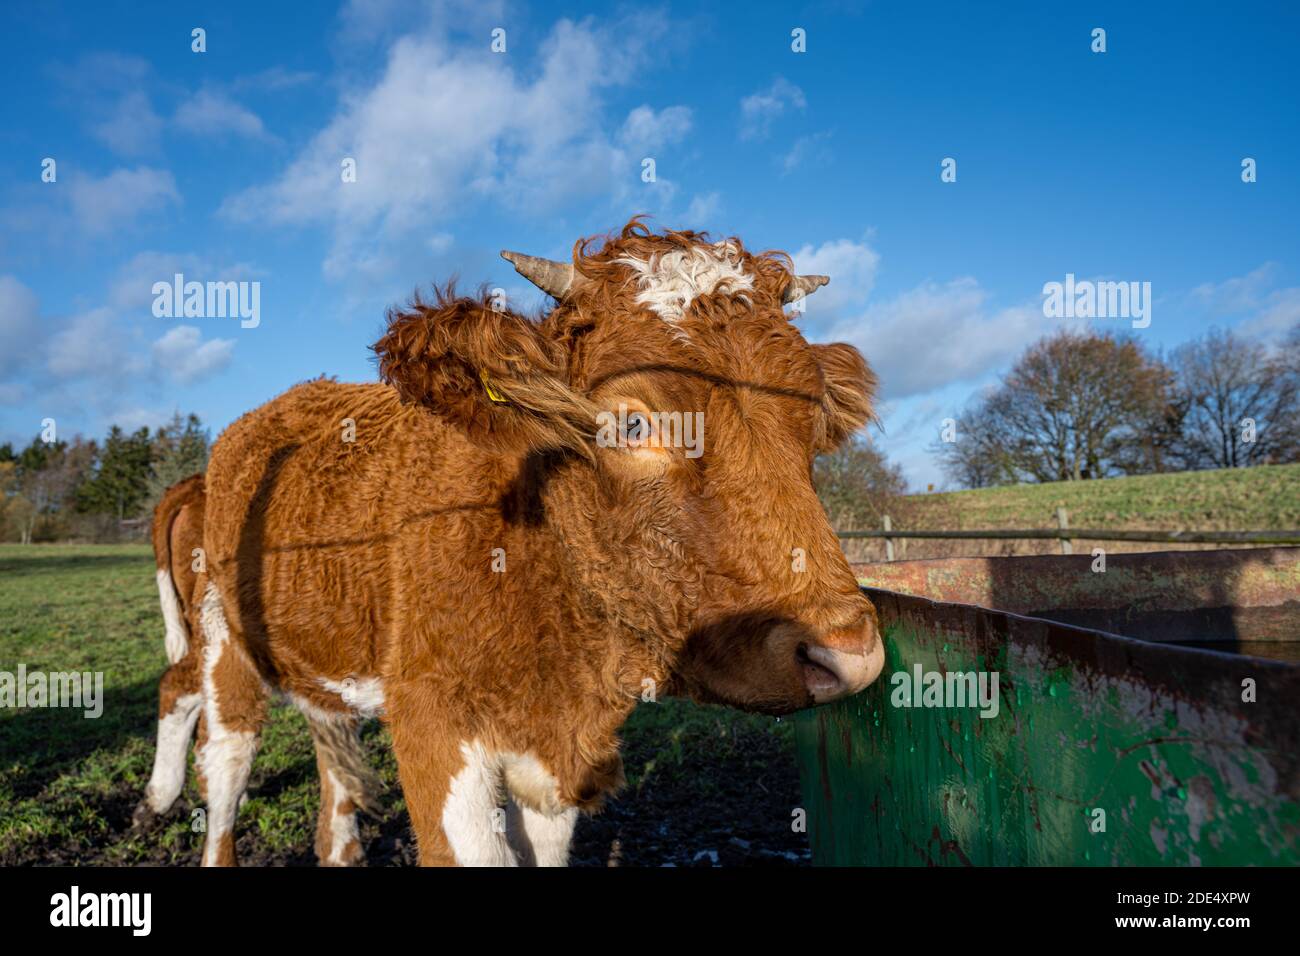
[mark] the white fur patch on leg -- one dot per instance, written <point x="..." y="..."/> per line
<point x="542" y="826"/>
<point x="473" y="815"/>
<point x="174" y="733"/>
<point x="343" y="826"/>
<point x="227" y="757"/>
<point x="548" y="836"/>
<point x="668" y="283"/>
<point x="176" y="639"/>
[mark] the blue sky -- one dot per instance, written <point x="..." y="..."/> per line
<point x="224" y="165"/>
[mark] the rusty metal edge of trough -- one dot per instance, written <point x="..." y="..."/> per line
<point x="1139" y="570"/>
<point x="1093" y="534"/>
<point x="1128" y="658"/>
<point x="1162" y="648"/>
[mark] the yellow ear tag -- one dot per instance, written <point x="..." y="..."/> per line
<point x="492" y="392"/>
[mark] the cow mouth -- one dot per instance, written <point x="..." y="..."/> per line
<point x="821" y="681"/>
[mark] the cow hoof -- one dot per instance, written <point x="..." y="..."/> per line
<point x="144" y="817"/>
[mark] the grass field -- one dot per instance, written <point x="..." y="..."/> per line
<point x="1232" y="499"/>
<point x="704" y="784"/>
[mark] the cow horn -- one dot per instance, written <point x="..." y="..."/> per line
<point x="801" y="287"/>
<point x="553" y="278"/>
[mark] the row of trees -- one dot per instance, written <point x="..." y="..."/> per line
<point x="1081" y="405"/>
<point x="85" y="489"/>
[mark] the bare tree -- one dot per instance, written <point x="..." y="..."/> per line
<point x="1241" y="400"/>
<point x="856" y="482"/>
<point x="1075" y="406"/>
<point x="44" y="480"/>
<point x="979" y="452"/>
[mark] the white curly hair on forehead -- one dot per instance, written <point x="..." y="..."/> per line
<point x="670" y="281"/>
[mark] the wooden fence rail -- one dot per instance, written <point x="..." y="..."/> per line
<point x="1067" y="535"/>
<point x="1091" y="534"/>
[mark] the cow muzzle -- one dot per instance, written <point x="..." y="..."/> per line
<point x="779" y="663"/>
<point x="830" y="673"/>
<point x="841" y="661"/>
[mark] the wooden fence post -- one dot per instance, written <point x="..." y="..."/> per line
<point x="889" y="542"/>
<point x="1063" y="522"/>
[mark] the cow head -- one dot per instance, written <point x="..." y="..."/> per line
<point x="665" y="415"/>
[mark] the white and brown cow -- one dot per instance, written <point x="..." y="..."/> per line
<point x="347" y="782"/>
<point x="463" y="550"/>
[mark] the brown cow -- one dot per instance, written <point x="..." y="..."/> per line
<point x="177" y="535"/>
<point x="470" y="550"/>
<point x="347" y="782"/>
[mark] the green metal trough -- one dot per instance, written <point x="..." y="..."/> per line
<point x="1147" y="714"/>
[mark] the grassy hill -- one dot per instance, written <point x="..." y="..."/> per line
<point x="1266" y="497"/>
<point x="1246" y="499"/>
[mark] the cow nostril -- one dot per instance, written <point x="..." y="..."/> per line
<point x="831" y="672"/>
<point x="820" y="679"/>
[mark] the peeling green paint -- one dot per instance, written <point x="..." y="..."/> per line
<point x="1157" y="737"/>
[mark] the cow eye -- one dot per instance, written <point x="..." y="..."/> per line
<point x="638" y="428"/>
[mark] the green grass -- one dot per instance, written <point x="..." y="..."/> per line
<point x="1261" y="498"/>
<point x="68" y="785"/>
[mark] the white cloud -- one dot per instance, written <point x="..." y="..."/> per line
<point x="921" y="340"/>
<point x="644" y="129"/>
<point x="1277" y="315"/>
<point x="938" y="334"/>
<point x="1266" y="312"/>
<point x="108" y="91"/>
<point x="273" y="80"/>
<point x="369" y="19"/>
<point x="183" y="356"/>
<point x="131" y="288"/>
<point x="1237" y="295"/>
<point x="106" y="362"/>
<point x="806" y="149"/>
<point x="703" y="211"/>
<point x="132" y="418"/>
<point x="20" y="329"/>
<point x="91" y="346"/>
<point x="852" y="267"/>
<point x="213" y="113"/>
<point x="368" y="22"/>
<point x="442" y="129"/>
<point x="131" y="127"/>
<point x="102" y="73"/>
<point x="760" y="110"/>
<point x="118" y="199"/>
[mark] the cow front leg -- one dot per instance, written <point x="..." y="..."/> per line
<point x="454" y="792"/>
<point x="541" y="839"/>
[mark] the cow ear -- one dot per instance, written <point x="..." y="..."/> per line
<point x="847" y="403"/>
<point x="488" y="371"/>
